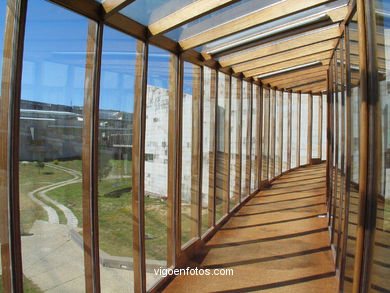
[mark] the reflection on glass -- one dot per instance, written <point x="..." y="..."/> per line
<point x="235" y="144"/>
<point x="115" y="163"/>
<point x="353" y="184"/>
<point x="315" y="135"/>
<point x="255" y="123"/>
<point x="381" y="264"/>
<point x="222" y="165"/>
<point x="294" y="131"/>
<point x="324" y="126"/>
<point x="271" y="156"/>
<point x="285" y="131"/>
<point x="51" y="122"/>
<point x="156" y="160"/>
<point x="278" y="134"/>
<point x="304" y="128"/>
<point x="245" y="163"/>
<point x="190" y="153"/>
<point x="208" y="147"/>
<point x="265" y="135"/>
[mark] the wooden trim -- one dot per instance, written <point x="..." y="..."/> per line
<point x="213" y="147"/>
<point x="186" y="14"/>
<point x="111" y="7"/>
<point x="282" y="45"/>
<point x="11" y="256"/>
<point x="172" y="187"/>
<point x="250" y="20"/>
<point x="310" y="127"/>
<point x="138" y="166"/>
<point x="90" y="157"/>
<point x="289" y="129"/>
<point x="298" y="150"/>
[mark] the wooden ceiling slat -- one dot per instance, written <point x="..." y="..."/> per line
<point x="299" y="80"/>
<point x="282" y="45"/>
<point x="295" y="74"/>
<point x="248" y="21"/>
<point x="186" y="14"/>
<point x="287" y="55"/>
<point x="315" y="87"/>
<point x="323" y="56"/>
<point x="111" y="7"/>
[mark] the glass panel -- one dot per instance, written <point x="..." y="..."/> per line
<point x="304" y="127"/>
<point x="208" y="146"/>
<point x="285" y="131"/>
<point x="245" y="140"/>
<point x="235" y="145"/>
<point x="353" y="197"/>
<point x="294" y="130"/>
<point x="255" y="123"/>
<point x="265" y="135"/>
<point x="381" y="264"/>
<point x="149" y="11"/>
<point x="271" y="157"/>
<point x="156" y="159"/>
<point x="222" y="146"/>
<point x="324" y="126"/>
<point x="115" y="164"/>
<point x="315" y="134"/>
<point x="278" y="132"/>
<point x="51" y="122"/>
<point x="190" y="153"/>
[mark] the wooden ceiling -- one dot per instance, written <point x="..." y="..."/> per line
<point x="294" y="55"/>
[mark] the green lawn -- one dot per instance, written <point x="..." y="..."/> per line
<point x="28" y="286"/>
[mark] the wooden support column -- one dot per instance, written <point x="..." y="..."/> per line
<point x="11" y="258"/>
<point x="309" y="127"/>
<point x="298" y="150"/>
<point x="90" y="150"/>
<point x="289" y="130"/>
<point x="259" y="140"/>
<point x="138" y="169"/>
<point x="213" y="146"/>
<point x="226" y="151"/>
<point x="196" y="156"/>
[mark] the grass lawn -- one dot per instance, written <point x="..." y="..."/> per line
<point x="28" y="286"/>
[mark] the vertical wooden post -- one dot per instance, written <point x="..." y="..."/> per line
<point x="248" y="141"/>
<point x="213" y="146"/>
<point x="195" y="151"/>
<point x="11" y="258"/>
<point x="310" y="128"/>
<point x="90" y="151"/>
<point x="289" y="130"/>
<point x="298" y="150"/>
<point x="138" y="168"/>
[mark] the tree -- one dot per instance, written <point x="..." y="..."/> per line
<point x="40" y="165"/>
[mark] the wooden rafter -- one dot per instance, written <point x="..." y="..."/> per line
<point x="287" y="55"/>
<point x="296" y="82"/>
<point x="267" y="14"/>
<point x="186" y="14"/>
<point x="281" y="82"/>
<point x="322" y="57"/>
<point x="327" y="33"/>
<point x="111" y="7"/>
<point x="295" y="74"/>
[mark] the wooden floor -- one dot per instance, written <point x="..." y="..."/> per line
<point x="277" y="242"/>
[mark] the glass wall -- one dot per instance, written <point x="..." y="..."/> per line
<point x="304" y="128"/>
<point x="265" y="135"/>
<point x="278" y="133"/>
<point x="324" y="126"/>
<point x="235" y="143"/>
<point x="294" y="131"/>
<point x="208" y="146"/>
<point x="381" y="265"/>
<point x="245" y="162"/>
<point x="116" y="109"/>
<point x="315" y="129"/>
<point x="51" y="125"/>
<point x="190" y="152"/>
<point x="156" y="159"/>
<point x="222" y="165"/>
<point x="272" y="129"/>
<point x="286" y="123"/>
<point x="254" y="130"/>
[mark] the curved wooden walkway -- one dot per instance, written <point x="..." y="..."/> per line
<point x="277" y="242"/>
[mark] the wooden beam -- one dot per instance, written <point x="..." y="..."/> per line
<point x="287" y="55"/>
<point x="282" y="45"/>
<point x="89" y="8"/>
<point x="291" y="83"/>
<point x="186" y="14"/>
<point x="111" y="7"/>
<point x="258" y="17"/>
<point x="138" y="168"/>
<point x="10" y="240"/>
<point x="295" y="74"/>
<point x="323" y="57"/>
<point x="315" y="87"/>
